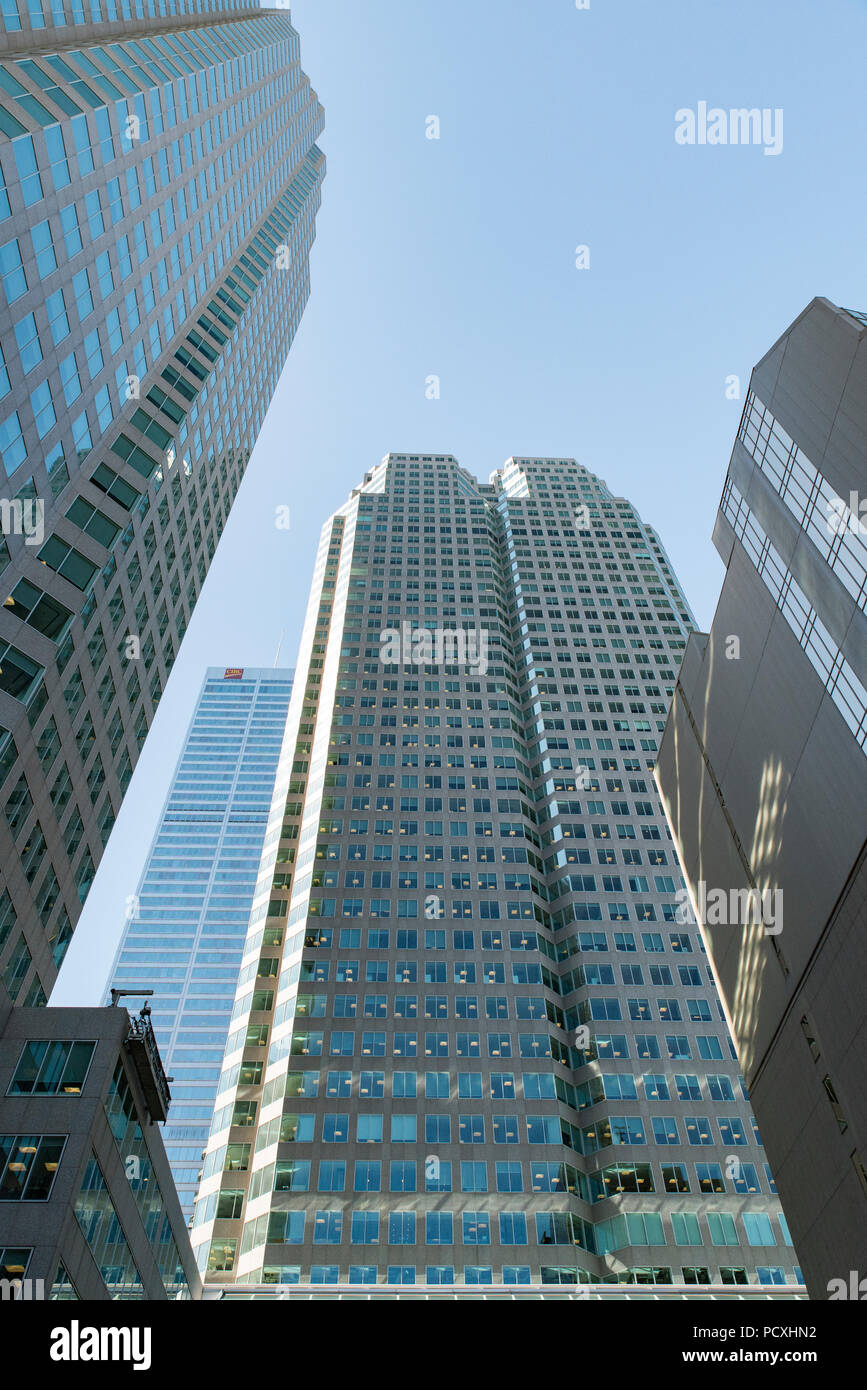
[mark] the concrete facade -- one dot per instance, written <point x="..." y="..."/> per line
<point x="471" y="1043"/>
<point x="762" y="773"/>
<point x="111" y="1226"/>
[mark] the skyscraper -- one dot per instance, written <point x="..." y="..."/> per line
<point x="493" y="1052"/>
<point x="185" y="928"/>
<point x="160" y="180"/>
<point x="762" y="771"/>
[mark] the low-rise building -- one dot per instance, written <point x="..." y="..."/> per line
<point x="89" y="1209"/>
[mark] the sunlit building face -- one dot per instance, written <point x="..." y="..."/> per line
<point x="494" y="1053"/>
<point x="159" y="181"/>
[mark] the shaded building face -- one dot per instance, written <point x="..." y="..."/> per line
<point x="89" y="1208"/>
<point x="762" y="772"/>
<point x="494" y="1051"/>
<point x="160" y="180"/>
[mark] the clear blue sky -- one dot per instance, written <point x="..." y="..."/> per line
<point x="456" y="257"/>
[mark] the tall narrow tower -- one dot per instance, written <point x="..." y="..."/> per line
<point x="185" y="927"/>
<point x="159" y="180"/>
<point x="494" y="1052"/>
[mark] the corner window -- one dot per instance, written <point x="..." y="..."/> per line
<point x="52" y="1069"/>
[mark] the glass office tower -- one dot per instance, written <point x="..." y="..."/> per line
<point x="159" y="181"/>
<point x="185" y="927"/>
<point x="474" y="1042"/>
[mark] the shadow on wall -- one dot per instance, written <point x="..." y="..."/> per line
<point x="760" y="847"/>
